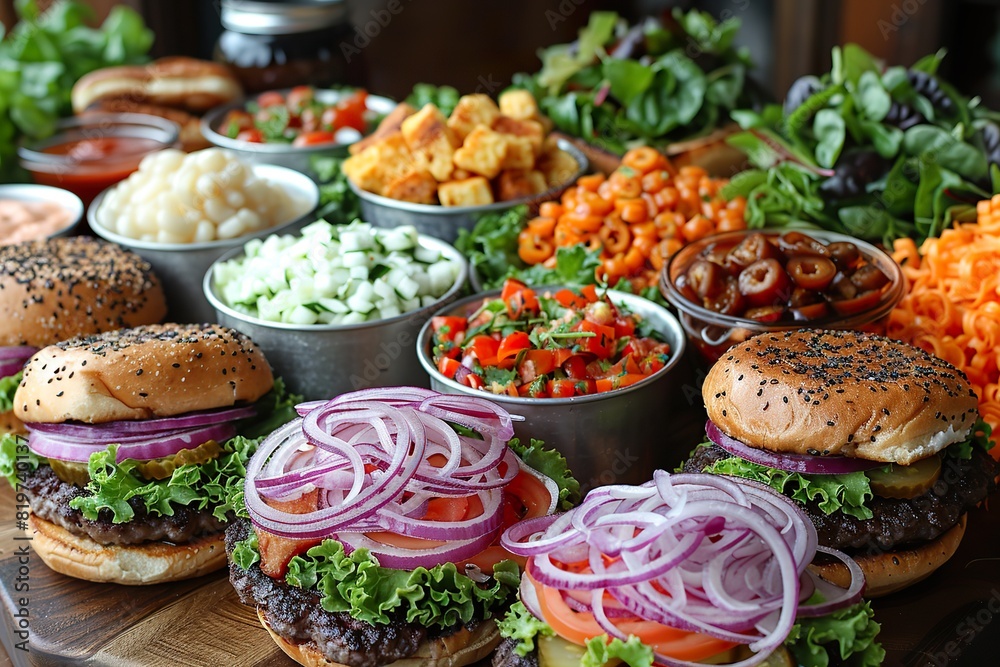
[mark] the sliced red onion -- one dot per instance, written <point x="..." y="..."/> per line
<point x="9" y="368"/>
<point x="801" y="463"/>
<point x="15" y="352"/>
<point x="719" y="556"/>
<point x="119" y="431"/>
<point x="370" y="454"/>
<point x="153" y="446"/>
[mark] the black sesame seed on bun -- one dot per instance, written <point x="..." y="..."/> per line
<point x="54" y="289"/>
<point x="158" y="370"/>
<point x="839" y="393"/>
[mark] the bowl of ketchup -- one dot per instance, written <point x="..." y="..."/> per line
<point x="89" y="153"/>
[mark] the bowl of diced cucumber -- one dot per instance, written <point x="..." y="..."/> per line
<point x="337" y="308"/>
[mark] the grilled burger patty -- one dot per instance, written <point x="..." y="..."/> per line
<point x="297" y="615"/>
<point x="505" y="655"/>
<point x="896" y="523"/>
<point x="49" y="498"/>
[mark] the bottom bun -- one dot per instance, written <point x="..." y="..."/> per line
<point x="464" y="647"/>
<point x="892" y="571"/>
<point x="140" y="564"/>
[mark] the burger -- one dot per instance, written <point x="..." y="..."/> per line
<point x="371" y="527"/>
<point x="685" y="569"/>
<point x="878" y="441"/>
<point x="58" y="288"/>
<point x="137" y="447"/>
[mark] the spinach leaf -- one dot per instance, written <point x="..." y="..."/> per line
<point x="830" y="131"/>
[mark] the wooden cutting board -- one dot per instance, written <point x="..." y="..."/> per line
<point x="952" y="619"/>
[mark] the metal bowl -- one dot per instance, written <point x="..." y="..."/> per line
<point x="47" y="193"/>
<point x="181" y="266"/>
<point x="284" y="155"/>
<point x="616" y="437"/>
<point x="713" y="333"/>
<point x="326" y="360"/>
<point x="443" y="222"/>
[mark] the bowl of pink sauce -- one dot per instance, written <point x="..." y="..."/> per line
<point x="32" y="212"/>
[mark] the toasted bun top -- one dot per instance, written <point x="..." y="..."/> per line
<point x="839" y="392"/>
<point x="153" y="371"/>
<point x="54" y="289"/>
<point x="176" y="81"/>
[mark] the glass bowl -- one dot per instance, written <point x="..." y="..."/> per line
<point x="89" y="153"/>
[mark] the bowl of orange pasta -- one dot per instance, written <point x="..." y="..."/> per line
<point x="629" y="222"/>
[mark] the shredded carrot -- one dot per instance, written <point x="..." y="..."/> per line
<point x="952" y="308"/>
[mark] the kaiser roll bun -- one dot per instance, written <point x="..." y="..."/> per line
<point x="158" y="370"/>
<point x="464" y="647"/>
<point x="891" y="571"/>
<point x="839" y="393"/>
<point x="54" y="289"/>
<point x="140" y="564"/>
<point x="176" y="81"/>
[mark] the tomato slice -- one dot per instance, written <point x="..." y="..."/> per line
<point x="580" y="627"/>
<point x="589" y="292"/>
<point x="512" y="344"/>
<point x="518" y="298"/>
<point x="253" y="136"/>
<point x="276" y="551"/>
<point x="575" y="367"/>
<point x="474" y="381"/>
<point x="453" y="508"/>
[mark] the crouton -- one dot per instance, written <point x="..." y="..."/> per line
<point x="472" y="110"/>
<point x="391" y="124"/>
<point x="384" y="161"/>
<point x="520" y="153"/>
<point x="473" y="191"/>
<point x="519" y="104"/>
<point x="558" y="166"/>
<point x="417" y="186"/>
<point x="431" y="141"/>
<point x="461" y="174"/>
<point x="526" y="129"/>
<point x="484" y="151"/>
<point x="518" y="183"/>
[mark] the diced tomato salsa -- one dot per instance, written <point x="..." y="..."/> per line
<point x="298" y="118"/>
<point x="547" y="345"/>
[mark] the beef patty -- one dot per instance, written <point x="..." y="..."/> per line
<point x="506" y="655"/>
<point x="896" y="523"/>
<point x="297" y="615"/>
<point x="49" y="498"/>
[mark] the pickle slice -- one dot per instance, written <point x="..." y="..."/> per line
<point x="71" y="472"/>
<point x="164" y="468"/>
<point x="557" y="652"/>
<point x="897" y="481"/>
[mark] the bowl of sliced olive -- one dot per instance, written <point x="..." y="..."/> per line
<point x="728" y="287"/>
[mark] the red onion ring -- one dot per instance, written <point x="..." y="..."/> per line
<point x="159" y="445"/>
<point x="370" y="454"/>
<point x="15" y="352"/>
<point x="120" y="431"/>
<point x="720" y="556"/>
<point x="801" y="463"/>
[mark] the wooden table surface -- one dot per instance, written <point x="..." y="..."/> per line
<point x="952" y="619"/>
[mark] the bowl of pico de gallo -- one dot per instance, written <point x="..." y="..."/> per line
<point x="588" y="369"/>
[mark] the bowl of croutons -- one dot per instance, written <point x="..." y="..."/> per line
<point x="440" y="173"/>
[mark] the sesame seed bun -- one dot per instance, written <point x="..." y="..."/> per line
<point x="159" y="370"/>
<point x="150" y="563"/>
<point x="461" y="648"/>
<point x="839" y="393"/>
<point x="63" y="287"/>
<point x="892" y="571"/>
